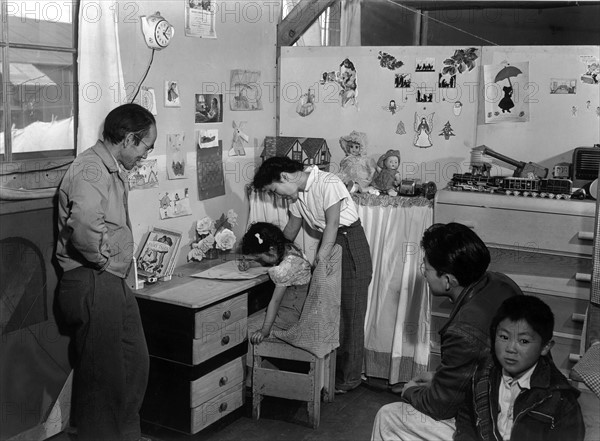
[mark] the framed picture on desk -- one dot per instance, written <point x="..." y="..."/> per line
<point x="157" y="255"/>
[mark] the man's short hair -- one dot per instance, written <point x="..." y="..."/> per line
<point x="126" y="119"/>
<point x="455" y="249"/>
<point x="534" y="311"/>
<point x="270" y="170"/>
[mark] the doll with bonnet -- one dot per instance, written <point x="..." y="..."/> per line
<point x="387" y="176"/>
<point x="356" y="169"/>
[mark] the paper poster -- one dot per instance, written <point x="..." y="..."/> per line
<point x="209" y="108"/>
<point x="148" y="99"/>
<point x="239" y="139"/>
<point x="172" y="94"/>
<point x="200" y="18"/>
<point x="246" y="92"/>
<point x="211" y="179"/>
<point x="507" y="90"/>
<point x="562" y="86"/>
<point x="206" y="138"/>
<point x="176" y="160"/>
<point x="144" y="176"/>
<point x="174" y="203"/>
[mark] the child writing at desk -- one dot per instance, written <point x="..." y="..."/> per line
<point x="264" y="244"/>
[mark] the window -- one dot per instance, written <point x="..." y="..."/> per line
<point x="38" y="46"/>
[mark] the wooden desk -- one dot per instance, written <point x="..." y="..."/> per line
<point x="197" y="338"/>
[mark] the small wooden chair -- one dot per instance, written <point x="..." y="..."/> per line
<point x="312" y="340"/>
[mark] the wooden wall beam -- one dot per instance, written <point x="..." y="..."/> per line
<point x="304" y="14"/>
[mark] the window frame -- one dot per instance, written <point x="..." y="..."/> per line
<point x="37" y="169"/>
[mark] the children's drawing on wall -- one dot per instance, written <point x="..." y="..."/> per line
<point x="447" y="131"/>
<point x="402" y="80"/>
<point x="172" y="94"/>
<point x="446" y="81"/>
<point x="174" y="203"/>
<point x="400" y="129"/>
<point x="330" y="77"/>
<point x="306" y="103"/>
<point x="424" y="95"/>
<point x="389" y="61"/>
<point x="144" y="176"/>
<point x="238" y="140"/>
<point x="561" y="86"/>
<point x="209" y="108"/>
<point x="387" y="177"/>
<point x="457" y="108"/>
<point x="200" y="17"/>
<point x="206" y="138"/>
<point x="574" y="111"/>
<point x="348" y="83"/>
<point x="507" y="92"/>
<point x="209" y="166"/>
<point x="148" y="99"/>
<point x="356" y="168"/>
<point x="425" y="64"/>
<point x="176" y="160"/>
<point x="392" y="107"/>
<point x="246" y="93"/>
<point x="463" y="60"/>
<point x="423" y="126"/>
<point x="591" y="74"/>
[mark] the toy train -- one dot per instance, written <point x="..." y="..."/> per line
<point x="553" y="188"/>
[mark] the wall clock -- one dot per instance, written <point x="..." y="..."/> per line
<point x="157" y="31"/>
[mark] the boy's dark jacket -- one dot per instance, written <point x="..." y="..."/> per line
<point x="549" y="410"/>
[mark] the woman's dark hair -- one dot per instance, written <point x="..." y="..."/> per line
<point x="455" y="249"/>
<point x="270" y="170"/>
<point x="126" y="119"/>
<point x="261" y="236"/>
<point x="534" y="311"/>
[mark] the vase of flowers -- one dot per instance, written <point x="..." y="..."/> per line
<point x="214" y="237"/>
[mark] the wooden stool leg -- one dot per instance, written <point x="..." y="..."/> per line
<point x="331" y="376"/>
<point x="314" y="406"/>
<point x="256" y="396"/>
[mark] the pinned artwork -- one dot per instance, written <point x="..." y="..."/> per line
<point x="563" y="86"/>
<point x="148" y="99"/>
<point x="400" y="130"/>
<point x="402" y="80"/>
<point x="238" y="140"/>
<point x="392" y="107"/>
<point x="425" y="64"/>
<point x="174" y="203"/>
<point x="507" y="92"/>
<point x="348" y="83"/>
<point x="389" y="61"/>
<point x="424" y="95"/>
<point x="423" y="126"/>
<point x="447" y="131"/>
<point x="306" y="103"/>
<point x="446" y="81"/>
<point x="591" y="74"/>
<point x="209" y="166"/>
<point x="172" y="94"/>
<point x="176" y="161"/>
<point x="144" y="175"/>
<point x="209" y="108"/>
<point x="246" y="94"/>
<point x="207" y="138"/>
<point x="462" y="61"/>
<point x="457" y="108"/>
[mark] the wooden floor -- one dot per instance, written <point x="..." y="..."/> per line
<point x="349" y="418"/>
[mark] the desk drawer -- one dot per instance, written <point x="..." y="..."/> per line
<point x="218" y="338"/>
<point x="207" y="387"/>
<point x="525" y="230"/>
<point x="215" y="409"/>
<point x="222" y="314"/>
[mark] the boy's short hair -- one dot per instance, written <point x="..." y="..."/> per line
<point x="270" y="170"/>
<point x="529" y="308"/>
<point x="456" y="249"/>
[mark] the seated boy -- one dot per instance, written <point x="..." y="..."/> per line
<point x="518" y="393"/>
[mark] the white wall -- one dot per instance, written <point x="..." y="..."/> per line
<point x="246" y="39"/>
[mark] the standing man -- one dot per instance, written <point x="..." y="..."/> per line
<point x="455" y="266"/>
<point x="95" y="248"/>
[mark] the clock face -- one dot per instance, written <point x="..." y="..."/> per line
<point x="162" y="33"/>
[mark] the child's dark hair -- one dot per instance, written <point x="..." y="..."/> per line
<point x="263" y="235"/>
<point x="455" y="249"/>
<point x="270" y="170"/>
<point x="534" y="311"/>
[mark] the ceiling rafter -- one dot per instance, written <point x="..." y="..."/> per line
<point x="304" y="14"/>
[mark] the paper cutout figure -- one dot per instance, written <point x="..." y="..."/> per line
<point x="447" y="131"/>
<point x="506" y="103"/>
<point x="172" y="94"/>
<point x="175" y="156"/>
<point x="239" y="137"/>
<point x="348" y="83"/>
<point x="423" y="126"/>
<point x="400" y="130"/>
<point x="389" y="61"/>
<point x="306" y="104"/>
<point x="457" y="108"/>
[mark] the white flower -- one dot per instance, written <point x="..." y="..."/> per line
<point x="225" y="239"/>
<point x="207" y="243"/>
<point x="205" y="226"/>
<point x="195" y="254"/>
<point x="232" y="218"/>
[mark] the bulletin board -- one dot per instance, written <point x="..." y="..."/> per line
<point x="314" y="102"/>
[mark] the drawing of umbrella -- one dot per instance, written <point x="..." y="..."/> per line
<point x="506" y="73"/>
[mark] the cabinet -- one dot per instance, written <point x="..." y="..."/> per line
<point x="196" y="331"/>
<point x="544" y="245"/>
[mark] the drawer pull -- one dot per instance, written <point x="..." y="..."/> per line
<point x="578" y="317"/>
<point x="226" y="315"/>
<point x="223" y="407"/>
<point x="585" y="235"/>
<point x="583" y="277"/>
<point x="225" y="340"/>
<point x="223" y="381"/>
<point x="574" y="358"/>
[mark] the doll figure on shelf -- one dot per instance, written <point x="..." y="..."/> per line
<point x="387" y="176"/>
<point x="356" y="169"/>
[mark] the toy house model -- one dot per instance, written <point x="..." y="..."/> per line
<point x="309" y="151"/>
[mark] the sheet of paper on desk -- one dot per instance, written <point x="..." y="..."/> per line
<point x="230" y="271"/>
